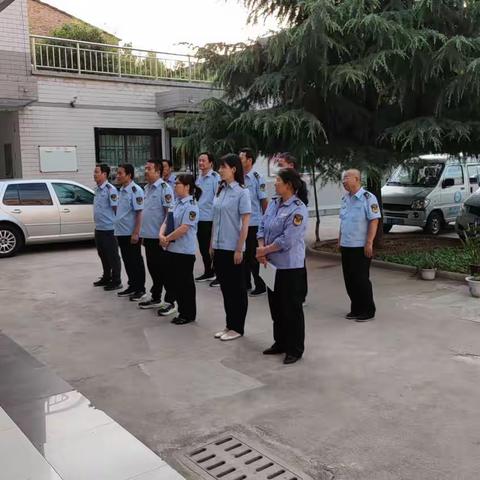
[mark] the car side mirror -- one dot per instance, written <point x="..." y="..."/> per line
<point x="448" y="182"/>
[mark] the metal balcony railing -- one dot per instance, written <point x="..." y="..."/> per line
<point x="72" y="56"/>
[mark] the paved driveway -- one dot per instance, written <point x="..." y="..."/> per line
<point x="396" y="398"/>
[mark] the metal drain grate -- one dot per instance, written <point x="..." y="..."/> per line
<point x="229" y="458"/>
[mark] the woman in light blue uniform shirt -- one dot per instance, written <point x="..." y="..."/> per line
<point x="281" y="239"/>
<point x="231" y="214"/>
<point x="179" y="239"/>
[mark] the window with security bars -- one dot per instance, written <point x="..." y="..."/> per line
<point x="116" y="146"/>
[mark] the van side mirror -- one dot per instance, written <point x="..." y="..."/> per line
<point x="448" y="182"/>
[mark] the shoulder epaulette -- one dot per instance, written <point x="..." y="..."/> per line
<point x="109" y="186"/>
<point x="256" y="175"/>
<point x="242" y="186"/>
<point x="298" y="202"/>
<point x="367" y="194"/>
<point x="134" y="188"/>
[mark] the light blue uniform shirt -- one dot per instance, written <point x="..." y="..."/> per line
<point x="209" y="186"/>
<point x="356" y="212"/>
<point x="185" y="212"/>
<point x="285" y="224"/>
<point x="106" y="197"/>
<point x="171" y="181"/>
<point x="158" y="197"/>
<point x="257" y="188"/>
<point x="130" y="200"/>
<point x="228" y="208"/>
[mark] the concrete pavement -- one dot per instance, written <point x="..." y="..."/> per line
<point x="396" y="398"/>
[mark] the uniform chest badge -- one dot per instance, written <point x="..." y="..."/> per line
<point x="297" y="219"/>
<point x="192" y="215"/>
<point x="374" y="208"/>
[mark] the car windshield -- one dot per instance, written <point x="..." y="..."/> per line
<point x="417" y="174"/>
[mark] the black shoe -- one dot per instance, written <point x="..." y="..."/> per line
<point x="126" y="293"/>
<point x="137" y="296"/>
<point x="289" y="359"/>
<point x="215" y="283"/>
<point x="351" y="316"/>
<point x="273" y="350"/>
<point x="166" y="310"/>
<point x="206" y="277"/>
<point x="365" y="318"/>
<point x="256" y="292"/>
<point x="101" y="283"/>
<point x="181" y="321"/>
<point x="152" y="303"/>
<point x="112" y="286"/>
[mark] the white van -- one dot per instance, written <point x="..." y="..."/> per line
<point x="429" y="191"/>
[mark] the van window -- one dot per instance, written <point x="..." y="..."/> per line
<point x="34" y="194"/>
<point x="417" y="174"/>
<point x="69" y="194"/>
<point x="455" y="172"/>
<point x="10" y="196"/>
<point x="473" y="171"/>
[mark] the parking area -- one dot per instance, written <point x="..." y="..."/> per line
<point x="395" y="398"/>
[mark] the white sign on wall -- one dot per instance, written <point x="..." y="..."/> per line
<point x="58" y="159"/>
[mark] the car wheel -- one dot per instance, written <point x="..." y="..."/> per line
<point x="387" y="228"/>
<point x="434" y="223"/>
<point x="11" y="240"/>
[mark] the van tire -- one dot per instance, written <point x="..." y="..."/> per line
<point x="434" y="224"/>
<point x="11" y="240"/>
<point x="387" y="228"/>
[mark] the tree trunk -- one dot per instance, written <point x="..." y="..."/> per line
<point x="317" y="210"/>
<point x="374" y="185"/>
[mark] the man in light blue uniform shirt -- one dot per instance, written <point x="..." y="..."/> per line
<point x="359" y="218"/>
<point x="258" y="196"/>
<point x="127" y="230"/>
<point x="167" y="174"/>
<point x="208" y="181"/>
<point x="158" y="199"/>
<point x="104" y="208"/>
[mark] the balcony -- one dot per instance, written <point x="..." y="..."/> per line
<point x="59" y="55"/>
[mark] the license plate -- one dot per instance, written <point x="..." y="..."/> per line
<point x="395" y="221"/>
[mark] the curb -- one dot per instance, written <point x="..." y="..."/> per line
<point x="457" y="277"/>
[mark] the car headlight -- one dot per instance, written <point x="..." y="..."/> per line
<point x="420" y="204"/>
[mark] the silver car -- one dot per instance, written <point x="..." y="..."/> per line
<point x="43" y="211"/>
<point x="468" y="222"/>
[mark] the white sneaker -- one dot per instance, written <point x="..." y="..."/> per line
<point x="230" y="335"/>
<point x="220" y="334"/>
<point x="169" y="309"/>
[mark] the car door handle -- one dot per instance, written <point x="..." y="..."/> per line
<point x="462" y="188"/>
<point x="66" y="210"/>
<point x="17" y="210"/>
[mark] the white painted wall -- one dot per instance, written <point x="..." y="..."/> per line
<point x="53" y="122"/>
<point x="14" y="27"/>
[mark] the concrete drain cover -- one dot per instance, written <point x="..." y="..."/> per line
<point x="229" y="458"/>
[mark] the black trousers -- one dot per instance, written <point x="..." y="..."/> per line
<point x="204" y="235"/>
<point x="287" y="311"/>
<point x="133" y="261"/>
<point x="157" y="268"/>
<point x="356" y="273"/>
<point x="234" y="290"/>
<point x="107" y="248"/>
<point x="252" y="266"/>
<point x="181" y="284"/>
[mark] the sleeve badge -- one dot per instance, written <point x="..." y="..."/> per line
<point x="262" y="187"/>
<point x="192" y="215"/>
<point x="374" y="207"/>
<point x="113" y="196"/>
<point x="168" y="198"/>
<point x="139" y="200"/>
<point x="297" y="219"/>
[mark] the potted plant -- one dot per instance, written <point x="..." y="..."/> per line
<point x="428" y="267"/>
<point x="471" y="243"/>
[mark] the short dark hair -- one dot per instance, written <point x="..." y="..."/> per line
<point x="104" y="168"/>
<point x="210" y="156"/>
<point x="129" y="169"/>
<point x="158" y="165"/>
<point x="188" y="179"/>
<point x="169" y="162"/>
<point x="249" y="153"/>
<point x="289" y="158"/>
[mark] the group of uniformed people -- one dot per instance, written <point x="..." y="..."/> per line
<point x="237" y="231"/>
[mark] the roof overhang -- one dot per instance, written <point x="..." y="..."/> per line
<point x="184" y="99"/>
